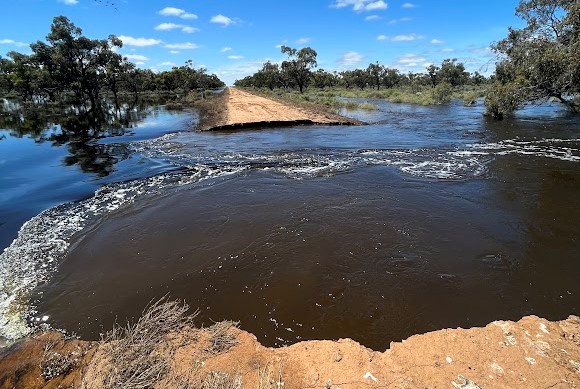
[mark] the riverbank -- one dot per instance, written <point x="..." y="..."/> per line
<point x="530" y="353"/>
<point x="236" y="109"/>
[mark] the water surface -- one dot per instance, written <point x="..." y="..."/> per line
<point x="430" y="217"/>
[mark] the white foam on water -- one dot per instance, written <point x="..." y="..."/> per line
<point x="562" y="149"/>
<point x="43" y="241"/>
<point x="426" y="163"/>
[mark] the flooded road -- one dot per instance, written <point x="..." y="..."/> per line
<point x="428" y="218"/>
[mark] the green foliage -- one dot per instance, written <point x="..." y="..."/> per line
<point x="503" y="99"/>
<point x="322" y="79"/>
<point x="296" y="73"/>
<point x="392" y="78"/>
<point x="540" y="61"/>
<point x="298" y="67"/>
<point x="442" y="93"/>
<point x="376" y="74"/>
<point x="470" y="98"/>
<point x="452" y="72"/>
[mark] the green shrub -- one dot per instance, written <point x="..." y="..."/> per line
<point x="502" y="99"/>
<point x="442" y="93"/>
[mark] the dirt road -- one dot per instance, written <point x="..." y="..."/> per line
<point x="243" y="110"/>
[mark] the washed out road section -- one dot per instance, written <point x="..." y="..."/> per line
<point x="246" y="110"/>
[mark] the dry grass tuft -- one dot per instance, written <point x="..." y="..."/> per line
<point x="222" y="336"/>
<point x="212" y="110"/>
<point x="140" y="355"/>
<point x="221" y="380"/>
<point x="268" y="378"/>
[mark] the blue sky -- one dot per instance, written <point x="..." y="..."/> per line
<point x="232" y="38"/>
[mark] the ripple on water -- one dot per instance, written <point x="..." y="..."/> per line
<point x="42" y="241"/>
<point x="34" y="255"/>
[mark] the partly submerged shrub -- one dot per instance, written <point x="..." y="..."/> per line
<point x="442" y="93"/>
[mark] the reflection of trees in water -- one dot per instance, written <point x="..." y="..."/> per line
<point x="95" y="158"/>
<point x="79" y="131"/>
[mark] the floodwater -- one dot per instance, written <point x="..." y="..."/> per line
<point x="428" y="218"/>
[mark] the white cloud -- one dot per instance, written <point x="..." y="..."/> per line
<point x="376" y="5"/>
<point x="406" y="38"/>
<point x="400" y="38"/>
<point x="167" y="26"/>
<point x="302" y="41"/>
<point x="140" y="63"/>
<point x="140" y="42"/>
<point x="350" y="58"/>
<point x="69" y="2"/>
<point x="235" y="57"/>
<point x="408" y="5"/>
<point x="234" y="70"/>
<point x="12" y="42"/>
<point x="395" y="21"/>
<point x="182" y="46"/>
<point x="447" y="50"/>
<point x="410" y="60"/>
<point x="174" y="26"/>
<point x="372" y="17"/>
<point x="136" y="57"/>
<point x="180" y="13"/>
<point x="436" y="41"/>
<point x="223" y="20"/>
<point x="226" y="49"/>
<point x="174" y="51"/>
<point x="167" y="64"/>
<point x="361" y="5"/>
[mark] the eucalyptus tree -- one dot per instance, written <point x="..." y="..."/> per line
<point x="539" y="61"/>
<point x="322" y="79"/>
<point x="21" y="75"/>
<point x="298" y="67"/>
<point x="432" y="72"/>
<point x="270" y="74"/>
<point x="452" y="72"/>
<point x="391" y="78"/>
<point x="376" y="73"/>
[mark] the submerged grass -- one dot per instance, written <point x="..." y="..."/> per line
<point x="421" y="96"/>
<point x="313" y="97"/>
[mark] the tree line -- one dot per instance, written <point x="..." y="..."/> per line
<point x="536" y="63"/>
<point x="297" y="72"/>
<point x="72" y="68"/>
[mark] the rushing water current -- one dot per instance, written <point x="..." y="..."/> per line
<point x="429" y="217"/>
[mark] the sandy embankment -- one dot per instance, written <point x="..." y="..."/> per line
<point x="240" y="109"/>
<point x="532" y="353"/>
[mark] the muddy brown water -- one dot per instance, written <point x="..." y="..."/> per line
<point x="429" y="218"/>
